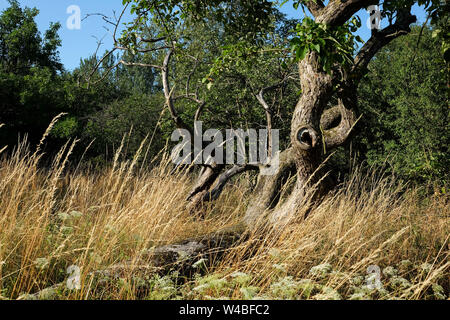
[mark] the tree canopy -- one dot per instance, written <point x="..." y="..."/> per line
<point x="225" y="56"/>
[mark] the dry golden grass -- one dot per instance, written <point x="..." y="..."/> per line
<point x="50" y="219"/>
<point x="367" y="222"/>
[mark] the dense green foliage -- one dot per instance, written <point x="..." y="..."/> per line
<point x="30" y="89"/>
<point x="225" y="61"/>
<point x="405" y="108"/>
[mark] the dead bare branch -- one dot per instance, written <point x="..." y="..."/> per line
<point x="169" y="92"/>
<point x="215" y="193"/>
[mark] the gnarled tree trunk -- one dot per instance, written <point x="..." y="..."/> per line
<point x="312" y="131"/>
<point x="308" y="142"/>
<point x="315" y="128"/>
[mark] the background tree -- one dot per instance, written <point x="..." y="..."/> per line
<point x="404" y="101"/>
<point x="225" y="65"/>
<point x="31" y="93"/>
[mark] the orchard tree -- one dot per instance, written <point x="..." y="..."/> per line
<point x="330" y="60"/>
<point x="215" y="65"/>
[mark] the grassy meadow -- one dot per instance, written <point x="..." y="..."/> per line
<point x="54" y="218"/>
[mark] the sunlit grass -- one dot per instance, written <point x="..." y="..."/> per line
<point x="51" y="219"/>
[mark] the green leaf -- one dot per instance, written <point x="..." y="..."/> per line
<point x="316" y="47"/>
<point x="447" y="55"/>
<point x="301" y="53"/>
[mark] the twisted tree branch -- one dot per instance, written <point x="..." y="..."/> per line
<point x="380" y="39"/>
<point x="315" y="6"/>
<point x="338" y="12"/>
<point x="337" y="136"/>
<point x="223" y="180"/>
<point x="329" y="117"/>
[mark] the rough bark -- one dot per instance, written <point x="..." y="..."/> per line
<point x="314" y="131"/>
<point x="314" y="6"/>
<point x="338" y="12"/>
<point x="206" y="179"/>
<point x="305" y="154"/>
<point x="267" y="191"/>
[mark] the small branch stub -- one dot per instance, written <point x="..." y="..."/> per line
<point x="307" y="138"/>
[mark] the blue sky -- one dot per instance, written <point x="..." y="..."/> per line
<point x="78" y="44"/>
